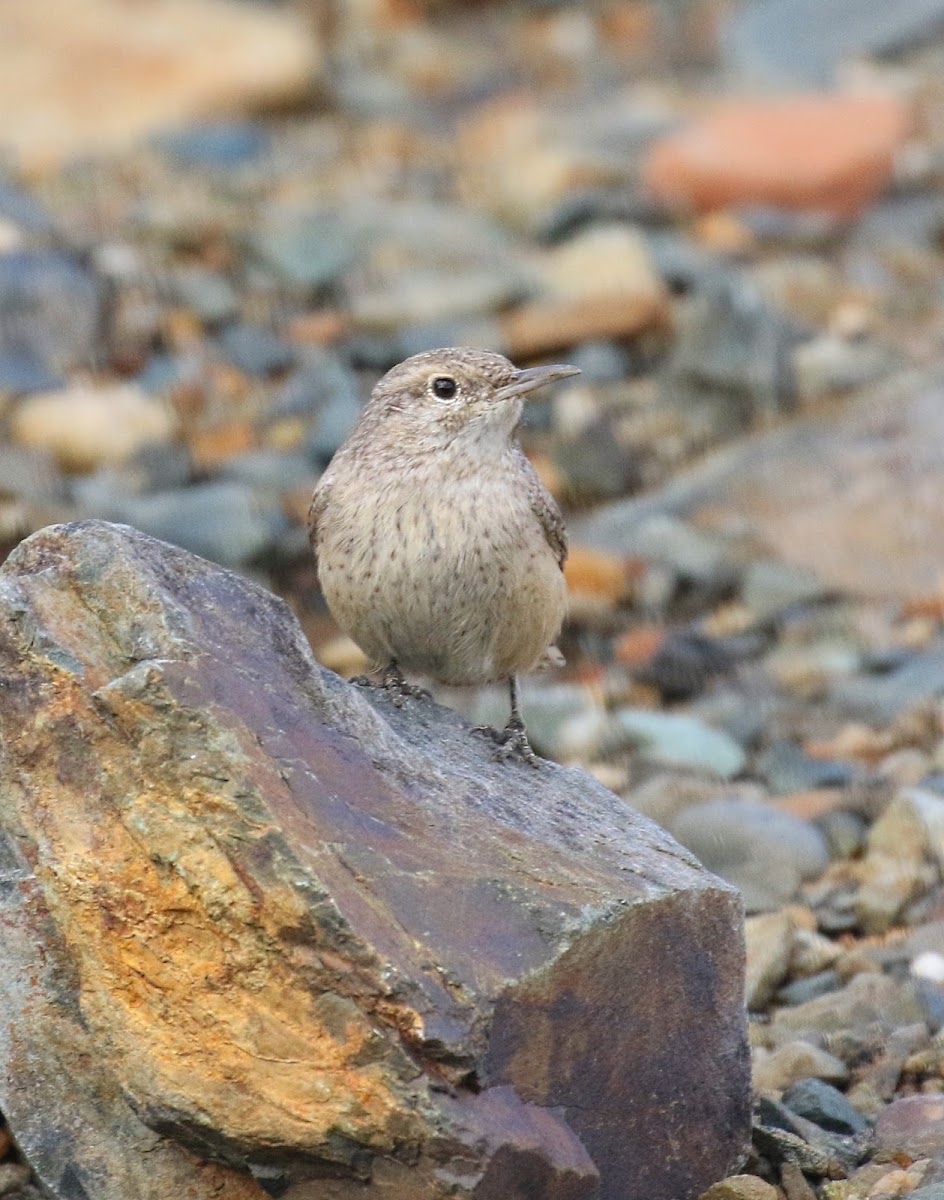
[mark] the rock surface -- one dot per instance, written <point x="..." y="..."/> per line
<point x="806" y="41"/>
<point x="830" y="154"/>
<point x="263" y="933"/>
<point x="851" y="496"/>
<point x="149" y="68"/>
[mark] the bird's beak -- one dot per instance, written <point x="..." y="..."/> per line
<point x="534" y="377"/>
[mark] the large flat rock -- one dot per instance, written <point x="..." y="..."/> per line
<point x="263" y="933"/>
<point x="79" y="79"/>
<point x="853" y="494"/>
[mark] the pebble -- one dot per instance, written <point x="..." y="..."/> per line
<point x="596" y="465"/>
<point x="812" y="952"/>
<point x="271" y="470"/>
<point x="426" y="264"/>
<point x="769" y="939"/>
<point x="429" y="296"/>
<point x="207" y="293"/>
<point x="609" y="260"/>
<point x="545" y="326"/>
<point x="221" y="521"/>
<point x="867" y="1006"/>
<point x="877" y="1078"/>
<point x="809" y="987"/>
<point x="30" y="475"/>
<point x="911" y="827"/>
<point x="897" y="868"/>
<point x="807" y="287"/>
<point x="519" y="163"/>
<point x="13" y="1176"/>
<point x="811" y="669"/>
<point x="89" y="426"/>
<point x="766" y="853"/>
<point x="325" y="393"/>
<point x="670" y="739"/>
<point x="306" y="252"/>
<point x="630" y="527"/>
<point x="845" y="832"/>
<point x="50" y="318"/>
<point x="256" y="350"/>
<point x="805" y="42"/>
<point x="596" y="581"/>
<point x="880" y="698"/>
<point x="23" y="210"/>
<point x="664" y="796"/>
<point x="829" y="153"/>
<point x="684" y="663"/>
<point x="831" y="365"/>
<point x="770" y="585"/>
<point x="740" y="1187"/>
<point x="809" y="1145"/>
<point x="776" y="1070"/>
<point x="731" y="362"/>
<point x="825" y="1105"/>
<point x="221" y="144"/>
<point x="912" y="1125"/>
<point x="602" y="362"/>
<point x="786" y="768"/>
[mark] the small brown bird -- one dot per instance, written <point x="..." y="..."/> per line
<point x="438" y="548"/>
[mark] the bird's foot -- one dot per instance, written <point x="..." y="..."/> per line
<point x="393" y="683"/>
<point x="512" y="742"/>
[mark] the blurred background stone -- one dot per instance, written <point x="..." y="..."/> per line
<point x="141" y="72"/>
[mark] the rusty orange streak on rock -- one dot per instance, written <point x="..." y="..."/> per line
<point x="179" y="954"/>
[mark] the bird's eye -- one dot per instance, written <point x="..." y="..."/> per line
<point x="444" y="387"/>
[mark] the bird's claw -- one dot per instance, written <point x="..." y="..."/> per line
<point x="512" y="742"/>
<point x="393" y="683"/>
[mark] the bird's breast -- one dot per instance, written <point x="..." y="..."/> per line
<point x="452" y="576"/>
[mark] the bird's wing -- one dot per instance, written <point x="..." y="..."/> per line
<point x="319" y="503"/>
<point x="544" y="507"/>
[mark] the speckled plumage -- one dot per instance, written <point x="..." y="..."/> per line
<point x="438" y="547"/>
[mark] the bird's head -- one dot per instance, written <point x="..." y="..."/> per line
<point x="460" y="391"/>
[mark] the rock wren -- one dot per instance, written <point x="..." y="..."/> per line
<point x="438" y="548"/>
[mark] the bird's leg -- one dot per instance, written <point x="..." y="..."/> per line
<point x="513" y="739"/>
<point x="393" y="683"/>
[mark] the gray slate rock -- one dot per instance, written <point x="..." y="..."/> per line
<point x="788" y="489"/>
<point x="804" y="41"/>
<point x="305" y="252"/>
<point x="825" y="1106"/>
<point x="325" y="392"/>
<point x="256" y="350"/>
<point x="51" y="309"/>
<point x="787" y="768"/>
<point x="223" y="521"/>
<point x="731" y="362"/>
<point x="677" y="740"/>
<point x="764" y="852"/>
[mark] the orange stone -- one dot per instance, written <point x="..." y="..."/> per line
<point x="596" y="574"/>
<point x="830" y="154"/>
<point x="211" y="447"/>
<point x="321" y="327"/>
<point x="637" y="647"/>
<point x="542" y="326"/>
